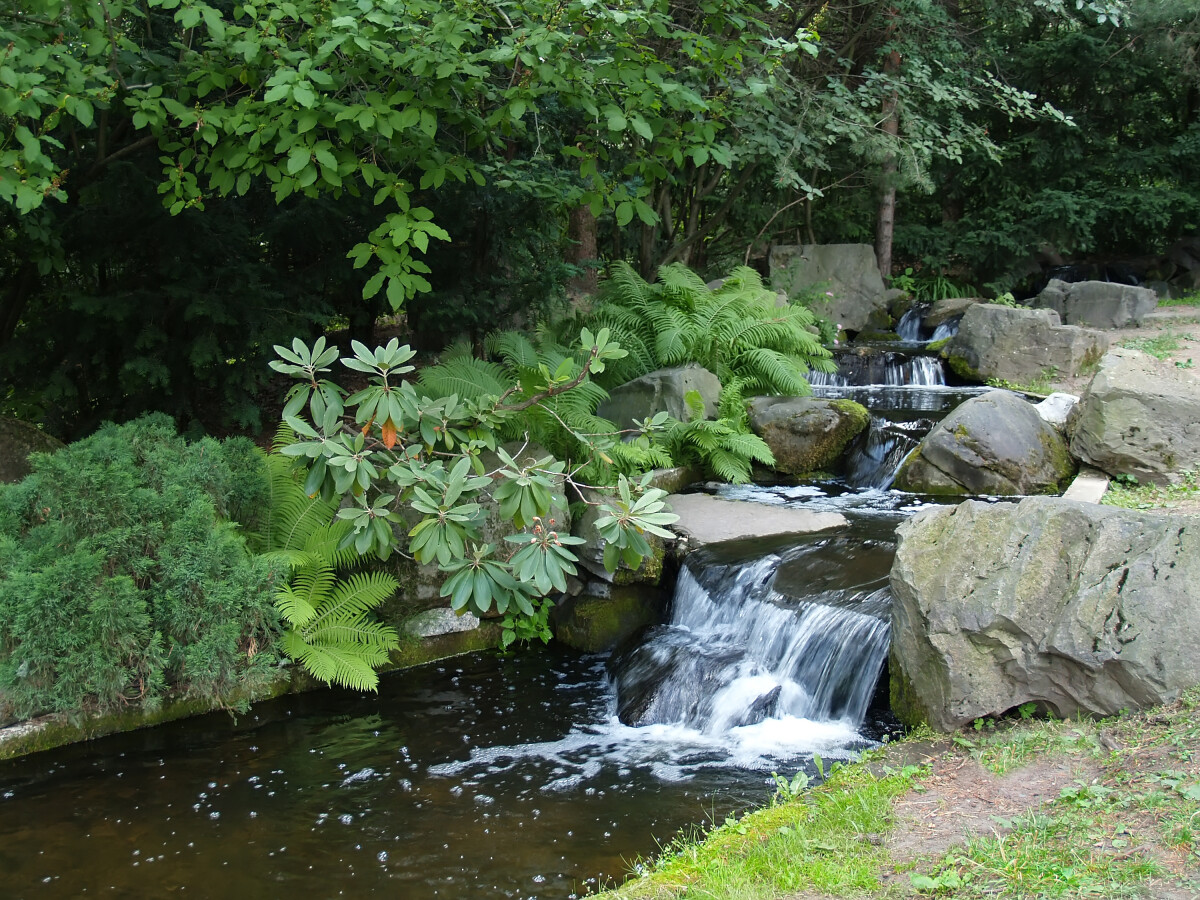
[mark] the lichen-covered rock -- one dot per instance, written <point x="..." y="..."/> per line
<point x="659" y="391"/>
<point x="995" y="443"/>
<point x="949" y="308"/>
<point x="17" y="440"/>
<point x="1140" y="416"/>
<point x="604" y="616"/>
<point x="1079" y="608"/>
<point x="804" y="434"/>
<point x="1097" y="304"/>
<point x="1019" y="345"/>
<point x="849" y="272"/>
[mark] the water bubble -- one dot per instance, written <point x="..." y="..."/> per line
<point x="214" y="815"/>
<point x="346" y="818"/>
<point x="382" y="856"/>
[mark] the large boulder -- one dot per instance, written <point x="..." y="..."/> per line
<point x="662" y="389"/>
<point x="995" y="443"/>
<point x="1079" y="608"/>
<point x="804" y="434"/>
<point x="1140" y="416"/>
<point x="1019" y="345"/>
<point x="949" y="308"/>
<point x="17" y="440"/>
<point x="849" y="272"/>
<point x="1097" y="304"/>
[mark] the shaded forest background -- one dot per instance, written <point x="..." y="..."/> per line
<point x="185" y="184"/>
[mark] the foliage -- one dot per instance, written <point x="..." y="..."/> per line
<point x="737" y="332"/>
<point x="1189" y="299"/>
<point x="1114" y="177"/>
<point x="388" y="448"/>
<point x="1042" y="384"/>
<point x="123" y="578"/>
<point x="1131" y="495"/>
<point x="518" y="626"/>
<point x="327" y="616"/>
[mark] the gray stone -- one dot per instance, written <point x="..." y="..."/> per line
<point x="17" y="440"/>
<point x="1140" y="416"/>
<point x="1079" y="608"/>
<point x="995" y="443"/>
<point x="1056" y="409"/>
<point x="433" y="622"/>
<point x="806" y="435"/>
<point x="944" y="310"/>
<point x="849" y="272"/>
<point x="705" y="519"/>
<point x="1020" y="345"/>
<point x="1097" y="304"/>
<point x="662" y="389"/>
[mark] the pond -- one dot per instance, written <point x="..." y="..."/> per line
<point x="496" y="776"/>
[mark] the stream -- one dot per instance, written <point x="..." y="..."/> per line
<point x="544" y="774"/>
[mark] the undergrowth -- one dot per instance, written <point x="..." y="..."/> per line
<point x="1124" y="823"/>
<point x="123" y="575"/>
<point x="1128" y="493"/>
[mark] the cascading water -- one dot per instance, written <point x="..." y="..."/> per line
<point x="882" y="368"/>
<point x="876" y="455"/>
<point x="909" y="326"/>
<point x="738" y="652"/>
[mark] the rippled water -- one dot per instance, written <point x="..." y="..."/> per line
<point x="482" y="777"/>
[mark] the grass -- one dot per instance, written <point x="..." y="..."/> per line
<point x="1041" y="385"/>
<point x="1126" y="824"/>
<point x="1127" y="493"/>
<point x="1189" y="300"/>
<point x="1161" y="346"/>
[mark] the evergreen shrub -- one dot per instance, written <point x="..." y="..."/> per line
<point x="123" y="575"/>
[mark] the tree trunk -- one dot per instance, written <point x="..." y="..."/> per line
<point x="15" y="299"/>
<point x="584" y="252"/>
<point x="885" y="223"/>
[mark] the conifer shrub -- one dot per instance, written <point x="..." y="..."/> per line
<point x="124" y="575"/>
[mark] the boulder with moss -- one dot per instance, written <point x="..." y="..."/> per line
<point x="1078" y="608"/>
<point x="1020" y="345"/>
<point x="805" y="434"/>
<point x="995" y="443"/>
<point x="849" y="272"/>
<point x="1140" y="416"/>
<point x="17" y="440"/>
<point x="606" y="615"/>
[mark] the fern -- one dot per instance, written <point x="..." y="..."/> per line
<point x="329" y="628"/>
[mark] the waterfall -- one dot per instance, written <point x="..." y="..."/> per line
<point x="875" y="456"/>
<point x="737" y="652"/>
<point x="885" y="367"/>
<point x="909" y="326"/>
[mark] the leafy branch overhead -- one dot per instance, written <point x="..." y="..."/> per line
<point x="407" y="471"/>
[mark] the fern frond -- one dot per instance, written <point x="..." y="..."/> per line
<point x="347" y="665"/>
<point x="294" y="605"/>
<point x="514" y="348"/>
<point x="289" y="516"/>
<point x="465" y="376"/>
<point x="353" y="596"/>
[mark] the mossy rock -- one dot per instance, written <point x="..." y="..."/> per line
<point x="606" y="618"/>
<point x="906" y="706"/>
<point x="805" y="434"/>
<point x="17" y="440"/>
<point x="960" y="367"/>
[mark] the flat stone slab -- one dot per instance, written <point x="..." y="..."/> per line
<point x="1088" y="487"/>
<point x="709" y="520"/>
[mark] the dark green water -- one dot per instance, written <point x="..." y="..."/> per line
<point x="483" y="777"/>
